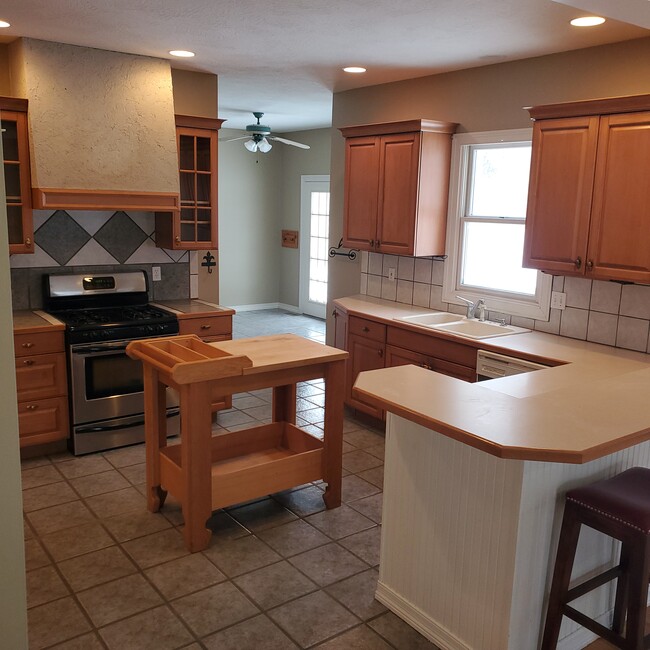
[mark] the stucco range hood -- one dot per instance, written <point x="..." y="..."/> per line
<point x="101" y="127"/>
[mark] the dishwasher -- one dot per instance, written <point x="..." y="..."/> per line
<point x="490" y="365"/>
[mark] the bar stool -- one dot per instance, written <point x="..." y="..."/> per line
<point x="618" y="507"/>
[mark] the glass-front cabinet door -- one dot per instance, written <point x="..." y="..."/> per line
<point x="17" y="177"/>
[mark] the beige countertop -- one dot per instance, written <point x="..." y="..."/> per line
<point x="194" y="308"/>
<point x="29" y="322"/>
<point x="592" y="405"/>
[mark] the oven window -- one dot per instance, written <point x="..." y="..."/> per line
<point x="113" y="374"/>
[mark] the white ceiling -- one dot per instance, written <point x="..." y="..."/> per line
<point x="284" y="57"/>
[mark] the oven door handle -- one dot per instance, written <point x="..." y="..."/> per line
<point x="171" y="412"/>
<point x="94" y="349"/>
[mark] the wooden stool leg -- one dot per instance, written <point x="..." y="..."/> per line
<point x="155" y="435"/>
<point x="622" y="586"/>
<point x="637" y="594"/>
<point x="284" y="404"/>
<point x="561" y="576"/>
<point x="333" y="440"/>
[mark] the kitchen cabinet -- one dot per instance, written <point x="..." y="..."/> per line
<point x="588" y="198"/>
<point x="366" y="345"/>
<point x="396" y="186"/>
<point x="340" y="329"/>
<point x="194" y="226"/>
<point x="17" y="175"/>
<point x="42" y="387"/>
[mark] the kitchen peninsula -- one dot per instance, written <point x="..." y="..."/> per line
<point x="475" y="474"/>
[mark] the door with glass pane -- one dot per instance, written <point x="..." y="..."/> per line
<point x="314" y="244"/>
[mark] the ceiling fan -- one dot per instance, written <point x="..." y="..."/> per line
<point x="259" y="136"/>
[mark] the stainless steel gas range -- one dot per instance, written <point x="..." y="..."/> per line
<point x="102" y="313"/>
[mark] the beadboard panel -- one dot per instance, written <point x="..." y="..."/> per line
<point x="469" y="540"/>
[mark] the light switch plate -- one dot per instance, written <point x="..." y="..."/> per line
<point x="558" y="300"/>
<point x="155" y="273"/>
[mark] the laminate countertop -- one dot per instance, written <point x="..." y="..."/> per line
<point x="594" y="400"/>
<point x="30" y="322"/>
<point x="194" y="308"/>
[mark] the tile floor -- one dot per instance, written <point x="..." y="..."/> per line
<point x="280" y="572"/>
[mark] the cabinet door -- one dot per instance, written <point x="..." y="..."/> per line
<point x="340" y="329"/>
<point x="559" y="194"/>
<point x="620" y="217"/>
<point x="401" y="357"/>
<point x="361" y="192"/>
<point x="364" y="355"/>
<point x="17" y="178"/>
<point x="398" y="189"/>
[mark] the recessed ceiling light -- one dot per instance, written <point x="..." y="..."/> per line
<point x="587" y="21"/>
<point x="354" y="69"/>
<point x="4" y="23"/>
<point x="182" y="53"/>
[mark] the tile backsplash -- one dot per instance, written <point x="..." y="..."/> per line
<point x="602" y="312"/>
<point x="99" y="242"/>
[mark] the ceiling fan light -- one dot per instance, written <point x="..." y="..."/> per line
<point x="251" y="145"/>
<point x="264" y="145"/>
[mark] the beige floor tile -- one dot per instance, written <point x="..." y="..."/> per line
<point x="359" y="461"/>
<point x="83" y="466"/>
<point x="70" y="542"/>
<point x="363" y="438"/>
<point x="357" y="593"/>
<point x="67" y="515"/>
<point x="371" y="506"/>
<point x="135" y="474"/>
<point x="85" y="642"/>
<point x="328" y="564"/>
<point x="259" y="633"/>
<point x="360" y="638"/>
<point x="118" y="599"/>
<point x="302" y="502"/>
<point x="155" y="549"/>
<point x="54" y="622"/>
<point x="27" y="530"/>
<point x="261" y="515"/>
<point x="115" y="503"/>
<point x="377" y="450"/>
<point x="293" y="538"/>
<point x="246" y="401"/>
<point x="35" y="555"/>
<point x="399" y="633"/>
<point x="339" y="522"/>
<point x="44" y="585"/>
<point x="95" y="568"/>
<point x="307" y="390"/>
<point x="184" y="576"/>
<point x="274" y="584"/>
<point x="238" y="556"/>
<point x="125" y="456"/>
<point x="29" y="463"/>
<point x="365" y="545"/>
<point x="354" y="487"/>
<point x="312" y="416"/>
<point x="47" y="496"/>
<point x="214" y="608"/>
<point x="224" y="527"/>
<point x="318" y="400"/>
<point x="260" y="412"/>
<point x="135" y="524"/>
<point x="110" y="481"/>
<point x="374" y="476"/>
<point x="37" y="476"/>
<point x="157" y="629"/>
<point x="313" y="618"/>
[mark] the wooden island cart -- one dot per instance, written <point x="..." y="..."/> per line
<point x="206" y="472"/>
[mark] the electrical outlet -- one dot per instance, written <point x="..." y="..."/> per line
<point x="391" y="274"/>
<point x="558" y="300"/>
<point x="155" y="273"/>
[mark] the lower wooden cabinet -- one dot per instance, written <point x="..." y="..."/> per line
<point x="365" y="354"/>
<point x="42" y="387"/>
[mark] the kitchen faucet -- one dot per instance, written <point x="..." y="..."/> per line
<point x="474" y="307"/>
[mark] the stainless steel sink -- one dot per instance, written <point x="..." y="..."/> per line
<point x="432" y="319"/>
<point x="479" y="330"/>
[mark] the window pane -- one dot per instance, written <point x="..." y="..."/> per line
<point x="499" y="181"/>
<point x="492" y="258"/>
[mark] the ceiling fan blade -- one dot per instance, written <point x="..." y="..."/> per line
<point x="243" y="137"/>
<point x="291" y="142"/>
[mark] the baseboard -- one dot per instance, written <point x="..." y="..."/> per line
<point x="417" y="619"/>
<point x="266" y="305"/>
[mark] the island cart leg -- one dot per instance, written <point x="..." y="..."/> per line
<point x="284" y="404"/>
<point x="196" y="461"/>
<point x="155" y="435"/>
<point x="333" y="440"/>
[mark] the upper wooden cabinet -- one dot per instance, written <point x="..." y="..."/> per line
<point x="194" y="227"/>
<point x="589" y="198"/>
<point x="396" y="186"/>
<point x="17" y="175"/>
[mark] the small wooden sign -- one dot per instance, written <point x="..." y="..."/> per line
<point x="290" y="239"/>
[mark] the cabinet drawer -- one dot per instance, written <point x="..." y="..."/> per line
<point x="453" y="370"/>
<point x="432" y="346"/>
<point x="41" y="376"/>
<point x="208" y="327"/>
<point x="367" y="328"/>
<point x="41" y="343"/>
<point x="41" y="421"/>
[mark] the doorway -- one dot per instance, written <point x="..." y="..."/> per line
<point x="314" y="244"/>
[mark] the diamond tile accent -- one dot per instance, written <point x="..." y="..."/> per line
<point x="120" y="236"/>
<point x="92" y="254"/>
<point x="61" y="237"/>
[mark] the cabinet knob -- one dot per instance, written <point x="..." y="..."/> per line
<point x="206" y="327"/>
<point x="177" y="238"/>
<point x="578" y="262"/>
<point x="365" y="328"/>
<point x="380" y="352"/>
<point x="590" y="265"/>
<point x="32" y="407"/>
<point x="28" y="345"/>
<point x="377" y="244"/>
<point x="334" y="314"/>
<point x="29" y="362"/>
<point x="28" y="241"/>
<point x="372" y="243"/>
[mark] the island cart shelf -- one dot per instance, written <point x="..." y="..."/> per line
<point x="206" y="473"/>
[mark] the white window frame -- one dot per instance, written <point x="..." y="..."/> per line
<point x="537" y="306"/>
